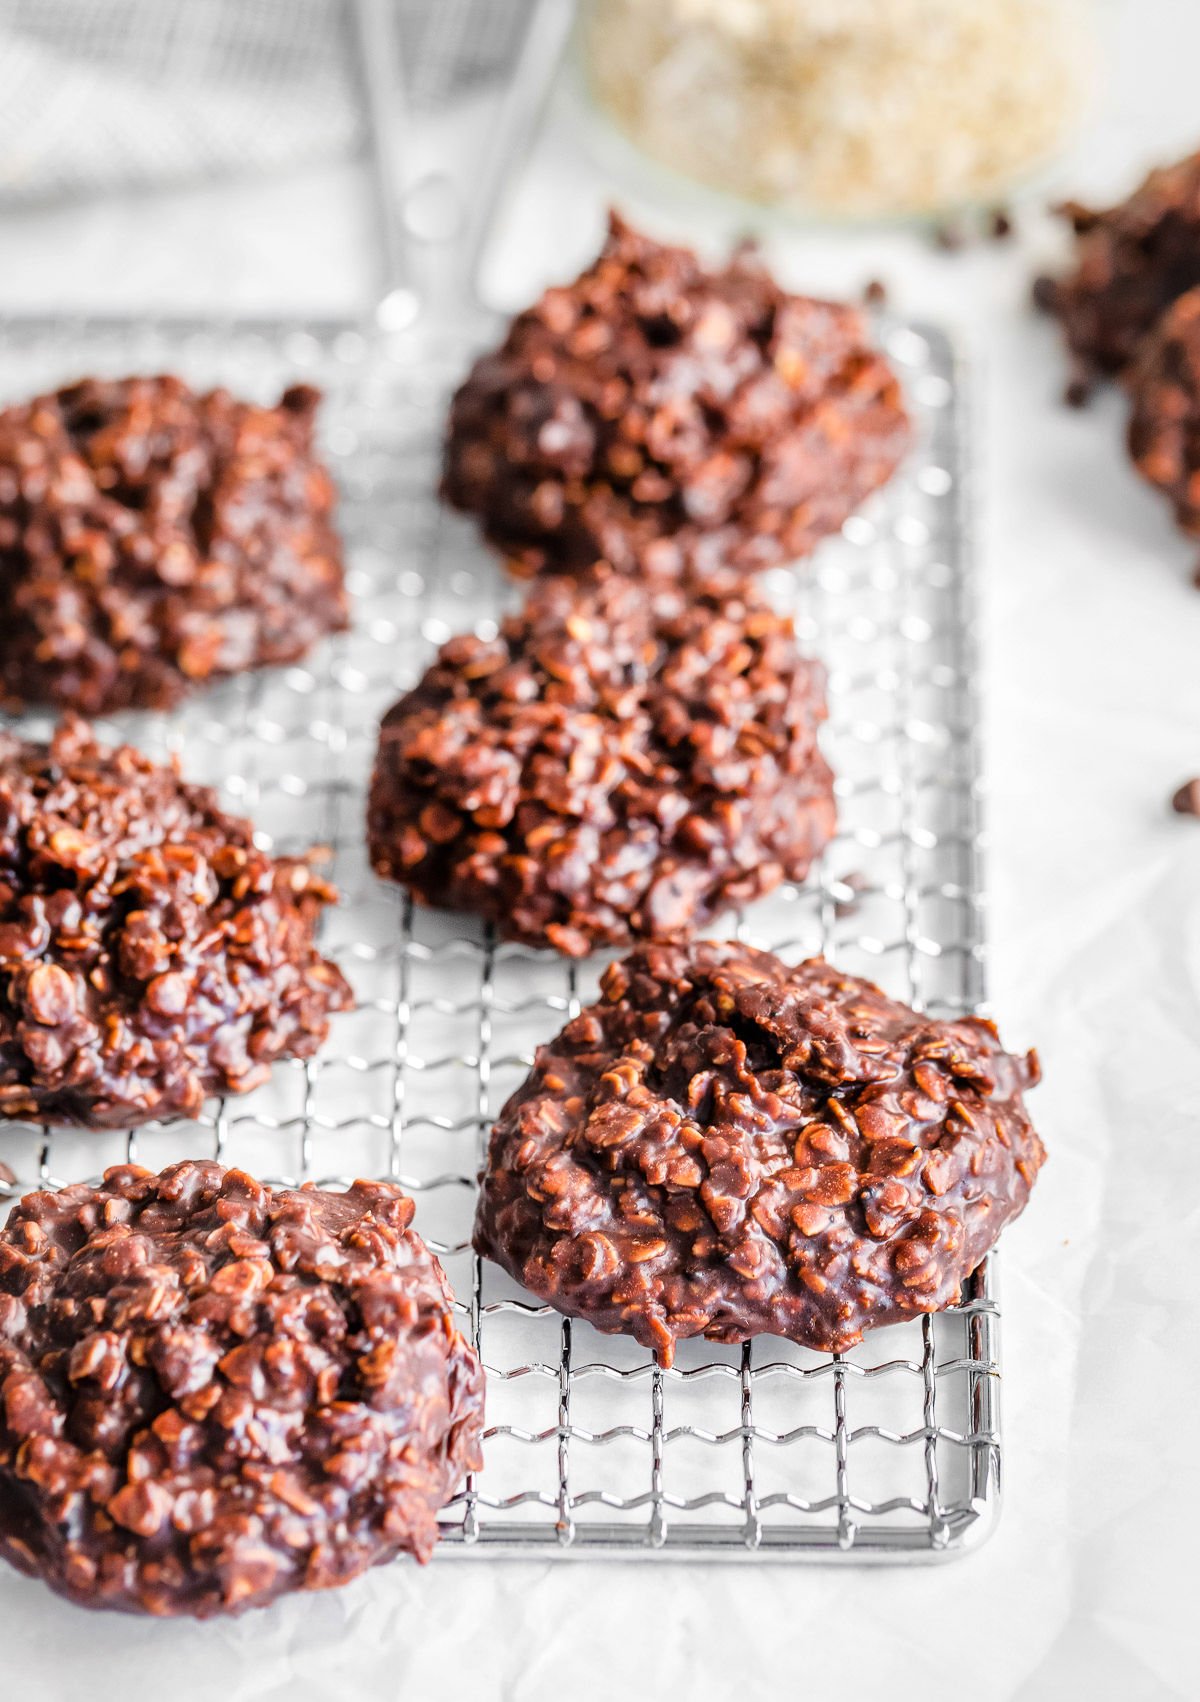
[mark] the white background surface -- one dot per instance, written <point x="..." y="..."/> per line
<point x="1093" y="634"/>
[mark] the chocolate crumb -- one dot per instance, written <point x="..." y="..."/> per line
<point x="875" y="292"/>
<point x="1080" y="218"/>
<point x="1186" y="801"/>
<point x="1000" y="225"/>
<point x="950" y="235"/>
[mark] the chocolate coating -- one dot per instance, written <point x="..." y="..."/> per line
<point x="152" y="539"/>
<point x="212" y="1392"/>
<point x="1131" y="262"/>
<point x="150" y="954"/>
<point x="725" y="1146"/>
<point x="1164" y="427"/>
<point x="622" y="760"/>
<point x="658" y="415"/>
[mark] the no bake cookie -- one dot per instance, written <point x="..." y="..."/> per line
<point x="657" y="414"/>
<point x="150" y="953"/>
<point x="213" y="1392"/>
<point x="153" y="538"/>
<point x="1131" y="262"/>
<point x="620" y="761"/>
<point x="725" y="1146"/>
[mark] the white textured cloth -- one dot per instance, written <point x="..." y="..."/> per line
<point x="102" y="94"/>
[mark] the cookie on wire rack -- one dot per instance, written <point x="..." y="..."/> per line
<point x="150" y="953"/>
<point x="153" y="538"/>
<point x="660" y="415"/>
<point x="726" y="1146"/>
<point x="215" y="1392"/>
<point x="622" y="760"/>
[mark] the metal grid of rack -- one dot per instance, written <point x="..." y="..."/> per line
<point x="888" y="1452"/>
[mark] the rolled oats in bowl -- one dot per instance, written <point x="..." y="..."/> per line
<point x="852" y="108"/>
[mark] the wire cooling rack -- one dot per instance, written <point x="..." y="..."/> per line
<point x="891" y="1451"/>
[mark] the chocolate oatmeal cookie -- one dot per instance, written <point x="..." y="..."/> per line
<point x="1164" y="429"/>
<point x="725" y="1146"/>
<point x="152" y="538"/>
<point x="212" y="1392"/>
<point x="1131" y="262"/>
<point x="150" y="954"/>
<point x="656" y="414"/>
<point x="621" y="760"/>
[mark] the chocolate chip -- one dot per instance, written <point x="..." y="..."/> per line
<point x="1186" y="801"/>
<point x="1044" y="294"/>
